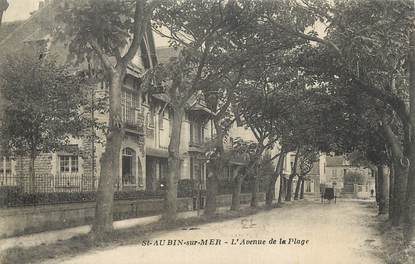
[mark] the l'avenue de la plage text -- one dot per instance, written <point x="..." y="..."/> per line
<point x="231" y="242"/>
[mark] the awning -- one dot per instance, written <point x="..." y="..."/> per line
<point x="162" y="97"/>
<point x="201" y="108"/>
<point x="160" y="153"/>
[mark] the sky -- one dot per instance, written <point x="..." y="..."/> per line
<point x="20" y="9"/>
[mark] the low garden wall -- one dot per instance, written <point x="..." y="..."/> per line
<point x="25" y="220"/>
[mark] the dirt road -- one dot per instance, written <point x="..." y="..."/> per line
<point x="306" y="232"/>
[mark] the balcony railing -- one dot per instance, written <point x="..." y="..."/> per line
<point x="196" y="143"/>
<point x="133" y="120"/>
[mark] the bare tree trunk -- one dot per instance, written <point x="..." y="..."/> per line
<point x="377" y="187"/>
<point x="110" y="162"/>
<point x="383" y="182"/>
<point x="302" y="188"/>
<point x="170" y="213"/>
<point x="289" y="188"/>
<point x="110" y="159"/>
<point x="236" y="193"/>
<point x="392" y="198"/>
<point x="253" y="174"/>
<point x="281" y="194"/>
<point x="32" y="173"/>
<point x="270" y="195"/>
<point x="400" y="164"/>
<point x="409" y="227"/>
<point x="217" y="168"/>
<point x="288" y="195"/>
<point x="297" y="187"/>
<point x="212" y="184"/>
<point x="400" y="184"/>
<point x="254" y="190"/>
<point x="3" y="7"/>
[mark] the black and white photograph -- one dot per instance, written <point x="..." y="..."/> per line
<point x="207" y="131"/>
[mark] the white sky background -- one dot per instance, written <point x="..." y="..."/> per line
<point x="21" y="9"/>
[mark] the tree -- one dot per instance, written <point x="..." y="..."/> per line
<point x="306" y="162"/>
<point x="367" y="45"/>
<point x="3" y="7"/>
<point x="219" y="101"/>
<point x="197" y="30"/>
<point x="43" y="106"/>
<point x="110" y="31"/>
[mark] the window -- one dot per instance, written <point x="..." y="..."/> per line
<point x="128" y="166"/>
<point x="5" y="166"/>
<point x="129" y="104"/>
<point x="150" y="119"/>
<point x="196" y="132"/>
<point x="144" y="98"/>
<point x="6" y="177"/>
<point x="162" y="169"/>
<point x="196" y="170"/>
<point x="68" y="164"/>
<point x="161" y="120"/>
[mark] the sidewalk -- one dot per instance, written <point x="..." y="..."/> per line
<point x="49" y="237"/>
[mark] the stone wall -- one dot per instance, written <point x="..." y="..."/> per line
<point x="226" y="199"/>
<point x="18" y="221"/>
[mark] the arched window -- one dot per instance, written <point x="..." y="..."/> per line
<point x="129" y="166"/>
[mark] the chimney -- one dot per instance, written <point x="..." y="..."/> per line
<point x="41" y="4"/>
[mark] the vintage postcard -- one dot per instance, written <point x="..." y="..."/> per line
<point x="207" y="131"/>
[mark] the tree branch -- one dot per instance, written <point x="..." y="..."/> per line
<point x="275" y="156"/>
<point x="98" y="50"/>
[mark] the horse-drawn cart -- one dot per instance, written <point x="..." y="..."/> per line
<point x="328" y="194"/>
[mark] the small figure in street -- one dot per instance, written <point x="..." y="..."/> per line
<point x="371" y="193"/>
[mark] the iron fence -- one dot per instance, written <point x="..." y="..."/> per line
<point x="47" y="183"/>
<point x="48" y="189"/>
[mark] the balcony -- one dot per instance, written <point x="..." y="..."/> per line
<point x="196" y="146"/>
<point x="133" y="121"/>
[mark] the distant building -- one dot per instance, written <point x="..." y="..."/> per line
<point x="314" y="179"/>
<point x="338" y="167"/>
